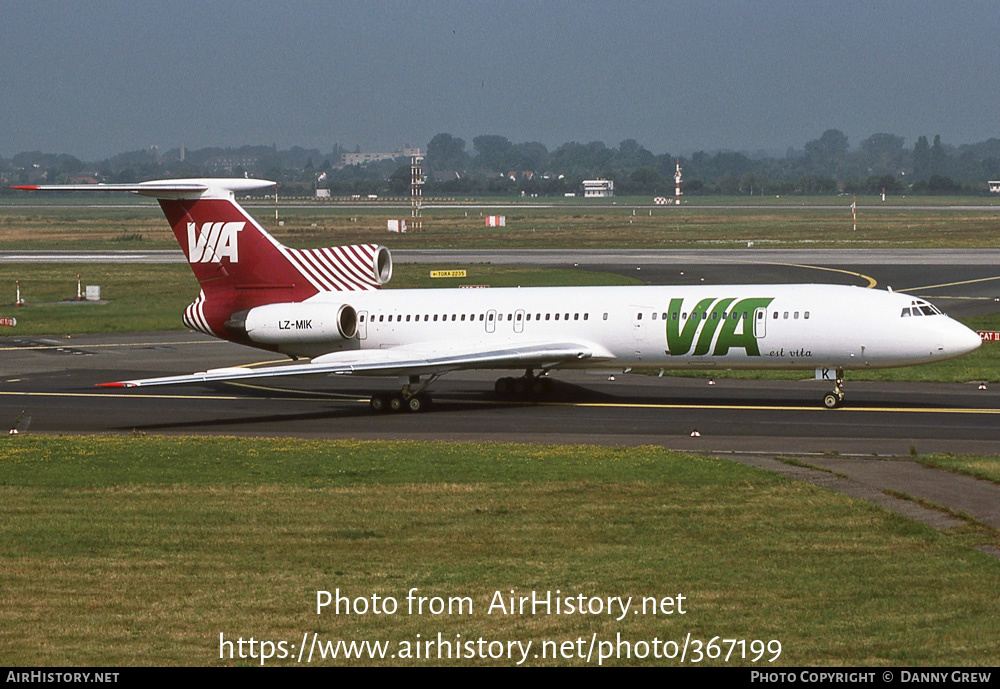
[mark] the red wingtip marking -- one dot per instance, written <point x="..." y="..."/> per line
<point x="110" y="385"/>
<point x="26" y="187"/>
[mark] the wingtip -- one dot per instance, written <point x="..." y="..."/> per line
<point x="113" y="385"/>
<point x="25" y="187"/>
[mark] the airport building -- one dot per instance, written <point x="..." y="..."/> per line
<point x="598" y="188"/>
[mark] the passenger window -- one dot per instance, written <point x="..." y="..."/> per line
<point x="796" y="316"/>
<point x="557" y="316"/>
<point x="546" y="316"/>
<point x="786" y="316"/>
<point x="586" y="316"/>
<point x="576" y="316"/>
<point x="605" y="316"/>
<point x="806" y="315"/>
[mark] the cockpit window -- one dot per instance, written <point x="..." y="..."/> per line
<point x="919" y="307"/>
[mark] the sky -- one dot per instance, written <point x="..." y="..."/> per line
<point x="105" y="76"/>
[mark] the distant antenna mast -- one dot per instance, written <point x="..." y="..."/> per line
<point x="416" y="191"/>
<point x="677" y="184"/>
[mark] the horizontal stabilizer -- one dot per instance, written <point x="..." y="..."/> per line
<point x="208" y="187"/>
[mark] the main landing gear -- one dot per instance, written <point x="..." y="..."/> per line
<point x="835" y="398"/>
<point x="524" y="386"/>
<point x="410" y="398"/>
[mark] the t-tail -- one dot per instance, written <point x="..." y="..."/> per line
<point x="238" y="264"/>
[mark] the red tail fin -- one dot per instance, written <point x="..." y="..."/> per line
<point x="240" y="266"/>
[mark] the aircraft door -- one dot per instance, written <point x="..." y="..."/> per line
<point x="491" y="321"/>
<point x="519" y="321"/>
<point x="638" y="331"/>
<point x="362" y="325"/>
<point x="760" y="323"/>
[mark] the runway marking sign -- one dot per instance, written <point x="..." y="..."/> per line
<point x="448" y="274"/>
<point x="989" y="335"/>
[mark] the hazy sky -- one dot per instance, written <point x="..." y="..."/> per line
<point x="101" y="77"/>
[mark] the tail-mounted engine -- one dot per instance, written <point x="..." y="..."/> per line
<point x="296" y="323"/>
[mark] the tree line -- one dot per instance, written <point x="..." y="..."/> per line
<point x="494" y="165"/>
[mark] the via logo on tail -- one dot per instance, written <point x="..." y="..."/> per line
<point x="216" y="240"/>
<point x="707" y="316"/>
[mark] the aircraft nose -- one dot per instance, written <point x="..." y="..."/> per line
<point x="961" y="340"/>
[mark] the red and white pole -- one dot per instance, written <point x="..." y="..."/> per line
<point x="677" y="184"/>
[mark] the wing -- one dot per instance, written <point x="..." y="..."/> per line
<point x="409" y="360"/>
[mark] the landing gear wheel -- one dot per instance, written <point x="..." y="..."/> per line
<point x="832" y="400"/>
<point x="397" y="403"/>
<point x="418" y="403"/>
<point x="379" y="403"/>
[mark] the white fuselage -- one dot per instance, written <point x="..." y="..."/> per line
<point x="727" y="326"/>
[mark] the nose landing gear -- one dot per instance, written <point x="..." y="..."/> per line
<point x="835" y="398"/>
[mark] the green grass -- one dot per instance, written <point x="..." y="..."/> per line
<point x="716" y="223"/>
<point x="986" y="468"/>
<point x="141" y="298"/>
<point x="141" y="551"/>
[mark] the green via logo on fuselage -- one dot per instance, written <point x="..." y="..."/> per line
<point x="708" y="316"/>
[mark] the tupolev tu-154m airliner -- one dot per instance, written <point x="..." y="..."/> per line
<point x="325" y="305"/>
